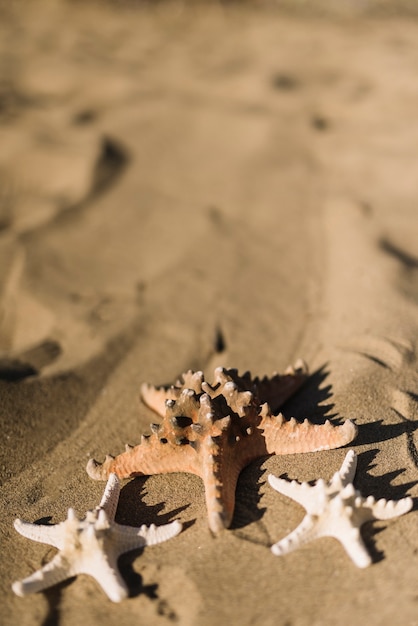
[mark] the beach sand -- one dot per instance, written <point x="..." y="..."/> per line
<point x="191" y="186"/>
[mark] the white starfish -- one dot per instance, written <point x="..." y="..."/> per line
<point x="90" y="546"/>
<point x="335" y="509"/>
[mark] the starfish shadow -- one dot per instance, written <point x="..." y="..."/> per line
<point x="368" y="533"/>
<point x="379" y="486"/>
<point x="133" y="579"/>
<point x="308" y="402"/>
<point x="310" y="399"/>
<point x="247" y="509"/>
<point x="53" y="597"/>
<point x="44" y="521"/>
<point x="133" y="512"/>
<point x="373" y="432"/>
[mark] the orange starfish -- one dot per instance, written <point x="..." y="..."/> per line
<point x="215" y="430"/>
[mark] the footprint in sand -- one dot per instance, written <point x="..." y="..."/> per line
<point x="56" y="177"/>
<point x="50" y="164"/>
<point x="48" y="172"/>
<point x="25" y="323"/>
<point x="36" y="338"/>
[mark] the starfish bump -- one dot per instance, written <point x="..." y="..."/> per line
<point x="335" y="509"/>
<point x="215" y="430"/>
<point x="90" y="546"/>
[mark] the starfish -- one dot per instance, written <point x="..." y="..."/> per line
<point x="337" y="510"/>
<point x="90" y="546"/>
<point x="215" y="430"/>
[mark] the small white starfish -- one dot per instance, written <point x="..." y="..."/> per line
<point x="335" y="509"/>
<point x="90" y="546"/>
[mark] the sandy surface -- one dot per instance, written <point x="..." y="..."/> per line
<point x="184" y="188"/>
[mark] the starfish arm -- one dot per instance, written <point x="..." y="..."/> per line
<point x="51" y="574"/>
<point x="104" y="569"/>
<point x="305" y="532"/>
<point x="128" y="538"/>
<point x="220" y="486"/>
<point x="158" y="534"/>
<point x="151" y="456"/>
<point x="350" y="538"/>
<point x="300" y="492"/>
<point x="222" y="459"/>
<point x="288" y="437"/>
<point x="387" y="509"/>
<point x="347" y="470"/>
<point x="51" y="535"/>
<point x="155" y="397"/>
<point x="110" y="498"/>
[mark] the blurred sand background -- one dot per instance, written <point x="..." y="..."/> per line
<point x="187" y="185"/>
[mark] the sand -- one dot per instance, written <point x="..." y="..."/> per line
<point x="186" y="187"/>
